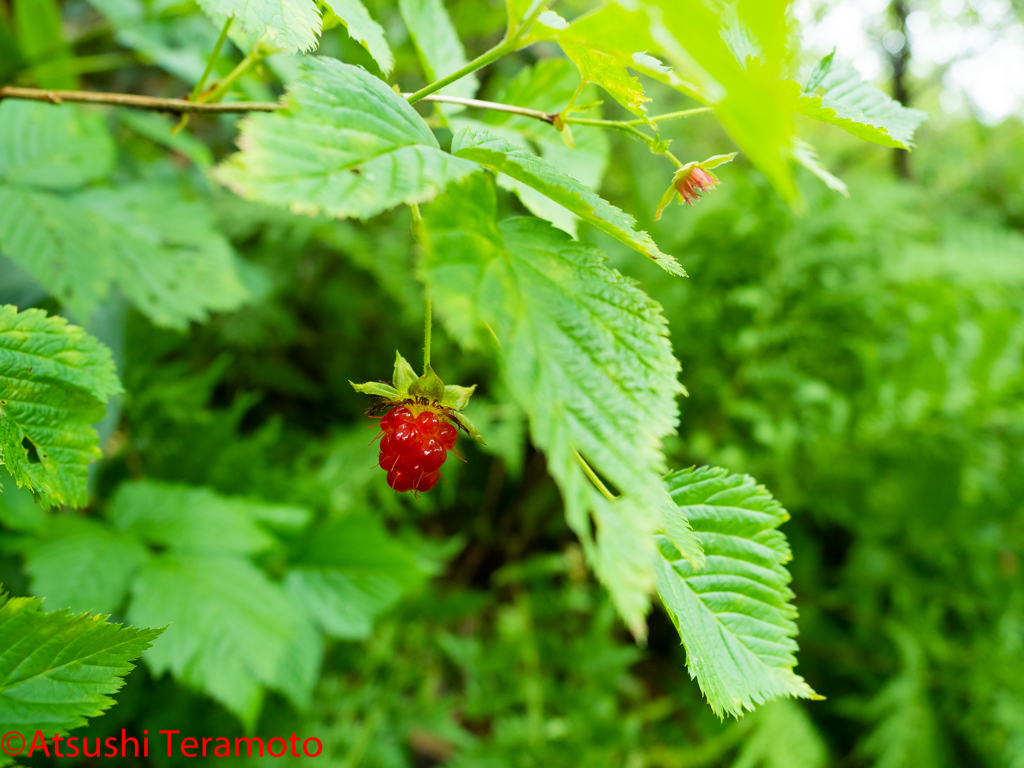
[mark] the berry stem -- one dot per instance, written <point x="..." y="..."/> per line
<point x="426" y="338"/>
<point x="594" y="478"/>
<point x="417" y="224"/>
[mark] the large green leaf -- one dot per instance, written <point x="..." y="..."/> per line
<point x="583" y="352"/>
<point x="734" y="615"/>
<point x="82" y="565"/>
<point x="57" y="669"/>
<point x="346" y="144"/>
<point x="53" y="147"/>
<point x="836" y="93"/>
<point x="56" y="381"/>
<point x="438" y="44"/>
<point x="610" y="73"/>
<point x="290" y="25"/>
<point x="161" y="249"/>
<point x="619" y="34"/>
<point x="59" y="243"/>
<point x="232" y="631"/>
<point x="362" y="27"/>
<point x="497" y="153"/>
<point x="168" y="257"/>
<point x="348" y="573"/>
<point x="192" y="520"/>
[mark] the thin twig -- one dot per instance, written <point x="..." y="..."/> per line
<point x="184" y="105"/>
<point x="134" y="101"/>
<point x="491" y="105"/>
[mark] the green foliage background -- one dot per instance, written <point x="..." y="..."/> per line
<point x="861" y="356"/>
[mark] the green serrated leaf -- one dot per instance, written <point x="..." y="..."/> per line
<point x="231" y="631"/>
<point x="583" y="352"/>
<point x="346" y="145"/>
<point x="82" y="565"/>
<point x="734" y="615"/>
<point x="59" y="243"/>
<point x="58" y="669"/>
<point x="497" y="153"/>
<point x="289" y="25"/>
<point x="349" y="572"/>
<point x="162" y="250"/>
<point x="836" y="93"/>
<point x="609" y="73"/>
<point x="53" y="147"/>
<point x="169" y="259"/>
<point x="197" y="521"/>
<point x="404" y="374"/>
<point x="367" y="32"/>
<point x="621" y="37"/>
<point x="439" y="46"/>
<point x="56" y="381"/>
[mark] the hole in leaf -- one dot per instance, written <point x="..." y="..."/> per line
<point x="33" y="454"/>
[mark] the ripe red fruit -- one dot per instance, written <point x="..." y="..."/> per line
<point x="414" y="448"/>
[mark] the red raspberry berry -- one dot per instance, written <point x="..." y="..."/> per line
<point x="427" y="423"/>
<point x="394" y="417"/>
<point x="447" y="435"/>
<point x="413" y="450"/>
<point x="405" y="437"/>
<point x="433" y="454"/>
<point x="400" y="481"/>
<point x="427" y="481"/>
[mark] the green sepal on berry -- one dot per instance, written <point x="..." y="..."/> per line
<point x="419" y="393"/>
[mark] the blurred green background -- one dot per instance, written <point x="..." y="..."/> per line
<point x="863" y="358"/>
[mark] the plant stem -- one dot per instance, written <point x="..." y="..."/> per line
<point x="671" y="116"/>
<point x="675" y="160"/>
<point x="254" y="56"/>
<point x="426" y="337"/>
<point x="212" y="61"/>
<point x="133" y="101"/>
<point x="491" y="105"/>
<point x="210" y="64"/>
<point x="417" y="224"/>
<point x="617" y="125"/>
<point x="482" y="60"/>
<point x="487" y="57"/>
<point x="594" y="478"/>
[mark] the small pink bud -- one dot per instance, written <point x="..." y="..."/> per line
<point x="696" y="181"/>
<point x="690" y="180"/>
